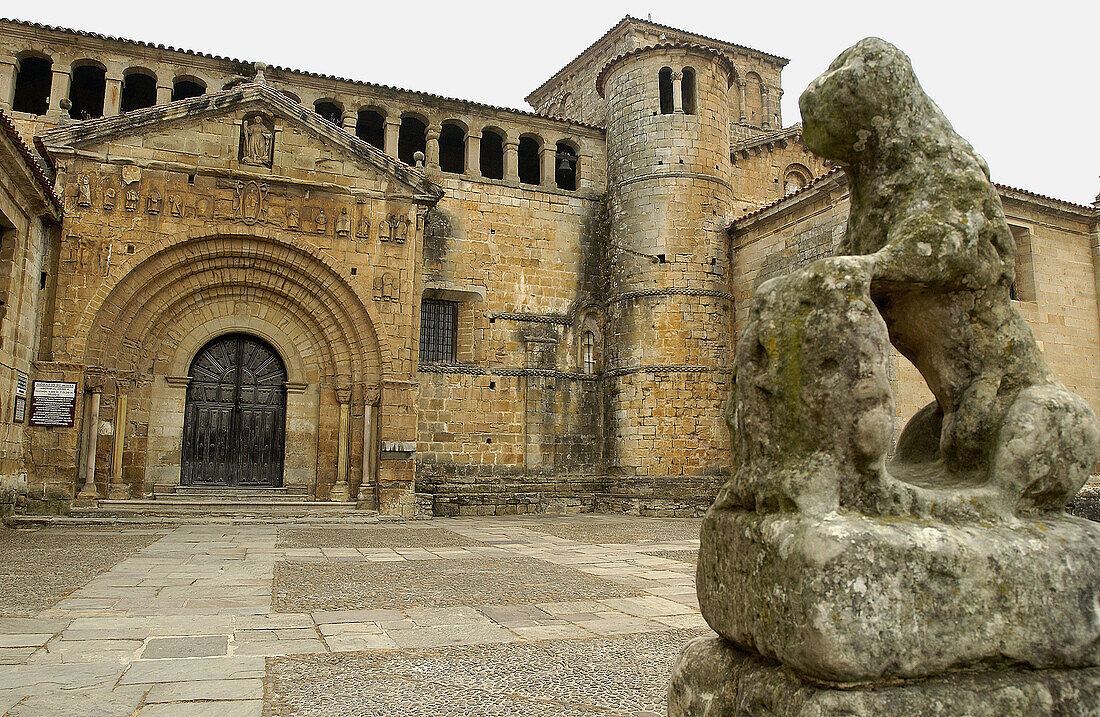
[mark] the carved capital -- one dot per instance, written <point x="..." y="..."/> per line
<point x="343" y="394"/>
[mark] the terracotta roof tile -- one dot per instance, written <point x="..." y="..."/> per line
<point x="291" y="70"/>
<point x="30" y="159"/>
<point x="628" y="19"/>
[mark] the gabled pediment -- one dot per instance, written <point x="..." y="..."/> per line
<point x="250" y="127"/>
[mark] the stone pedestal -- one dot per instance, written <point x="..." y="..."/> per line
<point x="712" y="677"/>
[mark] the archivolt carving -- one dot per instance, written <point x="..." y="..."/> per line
<point x="187" y="283"/>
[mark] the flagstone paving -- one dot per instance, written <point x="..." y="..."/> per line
<point x="479" y="616"/>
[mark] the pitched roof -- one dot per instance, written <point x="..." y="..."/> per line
<point x="76" y="133"/>
<point x="627" y="20"/>
<point x="819" y="181"/>
<point x="291" y="70"/>
<point x="29" y="158"/>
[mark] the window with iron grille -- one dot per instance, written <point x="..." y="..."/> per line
<point x="588" y="358"/>
<point x="438" y="331"/>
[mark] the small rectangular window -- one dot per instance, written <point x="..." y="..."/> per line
<point x="438" y="331"/>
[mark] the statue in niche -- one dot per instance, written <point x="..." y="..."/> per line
<point x="132" y="200"/>
<point x="384" y="288"/>
<point x="152" y="204"/>
<point x="256" y="142"/>
<point x="293" y="218"/>
<point x="363" y="232"/>
<point x="176" y="205"/>
<point x="343" y="223"/>
<point x="109" y="198"/>
<point x="84" y="192"/>
<point x="249" y="202"/>
<point x="321" y="222"/>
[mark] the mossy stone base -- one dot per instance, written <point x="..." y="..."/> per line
<point x="712" y="677"/>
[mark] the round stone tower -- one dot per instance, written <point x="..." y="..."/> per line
<point x="670" y="314"/>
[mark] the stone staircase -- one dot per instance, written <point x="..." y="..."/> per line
<point x="209" y="505"/>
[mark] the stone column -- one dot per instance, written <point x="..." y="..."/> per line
<point x="584" y="174"/>
<point x="393" y="132"/>
<point x="765" y="108"/>
<point x="548" y="158"/>
<point x="778" y="112"/>
<point x="91" y="426"/>
<point x="431" y="147"/>
<point x="112" y="96"/>
<point x="349" y="120"/>
<point x="340" y="491"/>
<point x="117" y="490"/>
<point x="678" y="93"/>
<point x="59" y="90"/>
<point x="9" y="66"/>
<point x="164" y="94"/>
<point x="743" y="110"/>
<point x="511" y="160"/>
<point x="473" y="155"/>
<point x="370" y="453"/>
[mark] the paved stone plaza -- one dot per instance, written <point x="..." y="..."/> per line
<point x="466" y="616"/>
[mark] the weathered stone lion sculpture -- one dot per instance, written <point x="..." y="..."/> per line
<point x="943" y="580"/>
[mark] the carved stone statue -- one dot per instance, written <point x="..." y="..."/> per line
<point x="945" y="579"/>
<point x="321" y="222"/>
<point x="84" y="193"/>
<point x="109" y="198"/>
<point x="257" y="142"/>
<point x="152" y="203"/>
<point x="176" y="204"/>
<point x="132" y="200"/>
<point x="343" y="223"/>
<point x="363" y="232"/>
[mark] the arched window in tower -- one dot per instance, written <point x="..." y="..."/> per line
<point x="566" y="175"/>
<point x="86" y="91"/>
<point x="588" y="353"/>
<point x="529" y="160"/>
<point x="185" y="89"/>
<point x="330" y="111"/>
<point x="452" y="148"/>
<point x="370" y="126"/>
<point x="32" y="86"/>
<point x="664" y="88"/>
<point x="411" y="138"/>
<point x="492" y="154"/>
<point x="138" y="90"/>
<point x="687" y="91"/>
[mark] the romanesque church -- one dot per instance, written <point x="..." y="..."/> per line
<point x="261" y="282"/>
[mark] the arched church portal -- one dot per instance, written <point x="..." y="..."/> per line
<point x="234" y="426"/>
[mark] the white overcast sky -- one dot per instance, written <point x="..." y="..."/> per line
<point x="1020" y="80"/>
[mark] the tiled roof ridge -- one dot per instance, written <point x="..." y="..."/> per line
<point x="670" y="45"/>
<point x="627" y="19"/>
<point x="305" y="73"/>
<point x="795" y="130"/>
<point x="834" y="170"/>
<point x="30" y="159"/>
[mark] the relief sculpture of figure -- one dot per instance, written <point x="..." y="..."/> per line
<point x="257" y="142"/>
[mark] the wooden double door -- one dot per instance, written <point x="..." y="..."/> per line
<point x="234" y="424"/>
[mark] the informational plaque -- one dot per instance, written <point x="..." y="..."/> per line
<point x="53" y="403"/>
<point x="19" y="412"/>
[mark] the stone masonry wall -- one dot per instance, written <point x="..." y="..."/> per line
<point x="669" y="323"/>
<point x="24" y="244"/>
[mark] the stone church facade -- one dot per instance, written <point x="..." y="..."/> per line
<point x="258" y="277"/>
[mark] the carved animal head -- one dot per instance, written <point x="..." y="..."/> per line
<point x="867" y="97"/>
